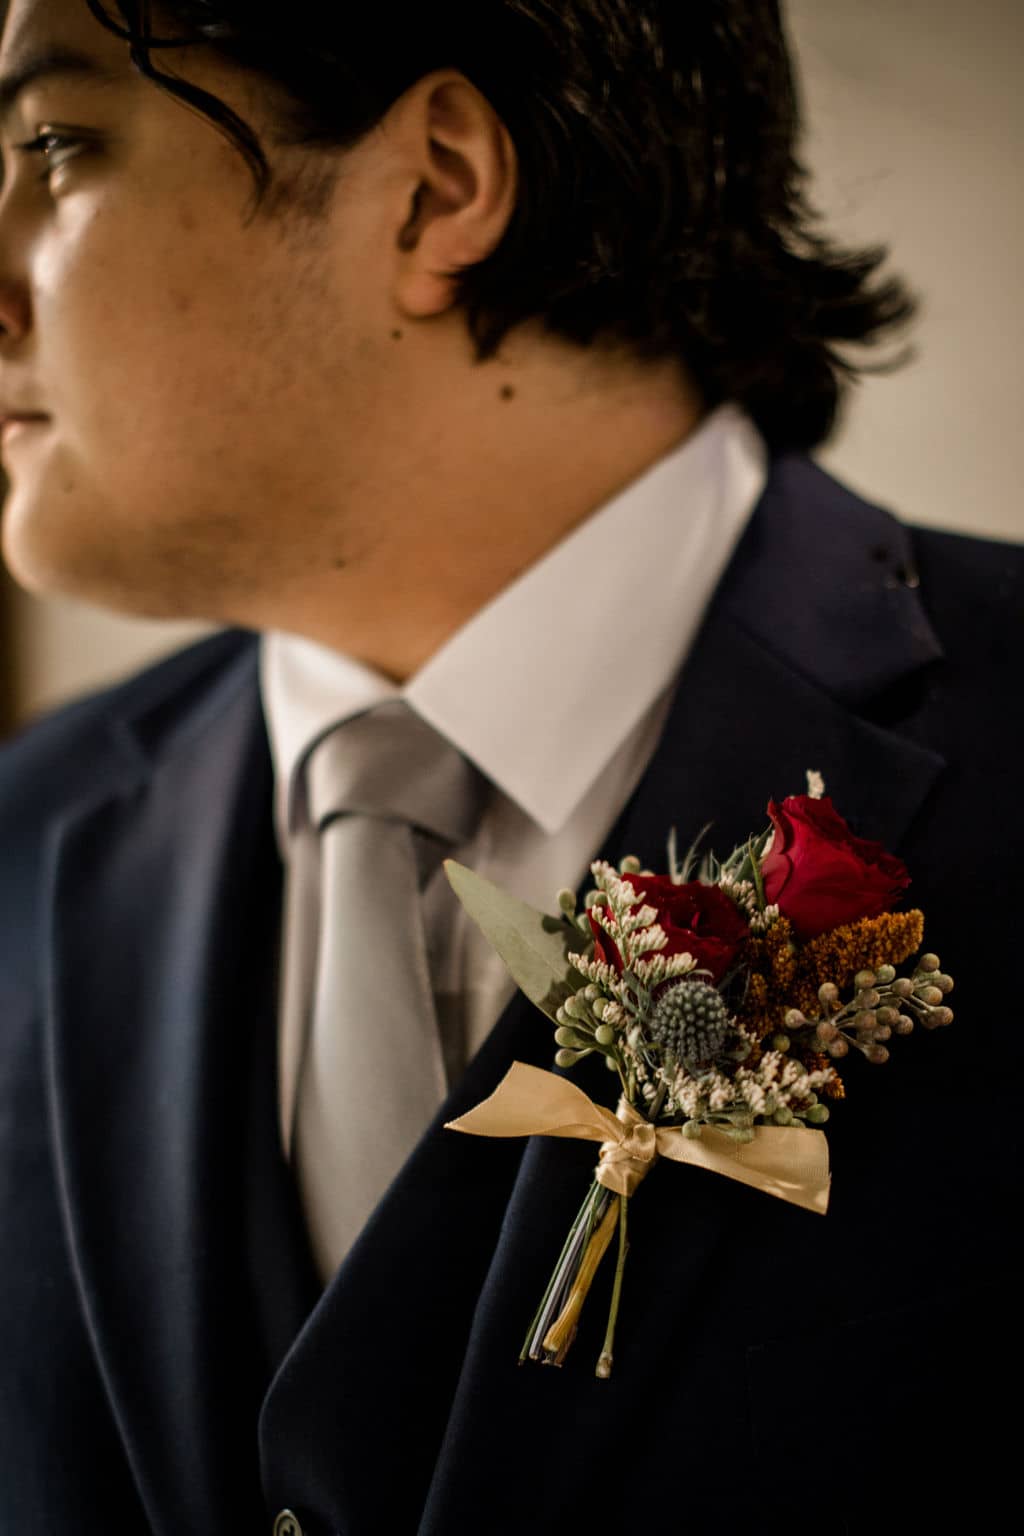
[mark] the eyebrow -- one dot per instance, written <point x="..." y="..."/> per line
<point x="53" y="61"/>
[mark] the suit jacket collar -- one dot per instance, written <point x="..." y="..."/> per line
<point x="827" y="583"/>
<point x="165" y="898"/>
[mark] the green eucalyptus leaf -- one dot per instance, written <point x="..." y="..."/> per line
<point x="532" y="944"/>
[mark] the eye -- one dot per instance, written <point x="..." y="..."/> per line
<point x="50" y="144"/>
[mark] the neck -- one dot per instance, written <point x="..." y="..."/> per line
<point x="453" y="516"/>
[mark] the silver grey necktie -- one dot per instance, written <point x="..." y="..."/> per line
<point x="387" y="798"/>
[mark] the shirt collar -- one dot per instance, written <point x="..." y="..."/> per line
<point x="545" y="681"/>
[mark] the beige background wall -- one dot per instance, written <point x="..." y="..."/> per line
<point x="915" y="135"/>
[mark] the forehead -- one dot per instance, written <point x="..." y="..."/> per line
<point x="28" y="23"/>
<point x="28" y="26"/>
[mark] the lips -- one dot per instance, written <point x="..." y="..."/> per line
<point x="13" y="428"/>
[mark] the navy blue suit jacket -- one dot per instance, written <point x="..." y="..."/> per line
<point x="168" y="1364"/>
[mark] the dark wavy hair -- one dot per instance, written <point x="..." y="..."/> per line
<point x="660" y="200"/>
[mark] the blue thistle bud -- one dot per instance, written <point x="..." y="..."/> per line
<point x="690" y="1019"/>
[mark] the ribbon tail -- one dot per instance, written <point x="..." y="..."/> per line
<point x="790" y="1163"/>
<point x="531" y="1102"/>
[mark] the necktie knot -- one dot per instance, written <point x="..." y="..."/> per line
<point x="390" y="764"/>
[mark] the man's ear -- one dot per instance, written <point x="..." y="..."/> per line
<point x="460" y="193"/>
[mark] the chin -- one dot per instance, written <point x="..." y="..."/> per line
<point x="50" y="561"/>
<point x="19" y="560"/>
<point x="91" y="550"/>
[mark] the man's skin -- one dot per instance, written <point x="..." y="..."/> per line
<point x="279" y="423"/>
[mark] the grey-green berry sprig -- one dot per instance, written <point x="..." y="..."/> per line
<point x="884" y="1005"/>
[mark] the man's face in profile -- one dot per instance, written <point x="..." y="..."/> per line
<point x="200" y="375"/>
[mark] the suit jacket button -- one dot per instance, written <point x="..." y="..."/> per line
<point x="287" y="1524"/>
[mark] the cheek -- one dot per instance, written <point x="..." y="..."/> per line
<point x="169" y="352"/>
<point x="110" y="274"/>
<point x="143" y="366"/>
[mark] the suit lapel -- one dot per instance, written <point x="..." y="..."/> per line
<point x="165" y="902"/>
<point x="423" y="1322"/>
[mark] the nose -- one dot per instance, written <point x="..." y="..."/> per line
<point x="15" y="303"/>
<point x="14" y="311"/>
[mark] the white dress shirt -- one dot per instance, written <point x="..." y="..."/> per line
<point x="557" y="689"/>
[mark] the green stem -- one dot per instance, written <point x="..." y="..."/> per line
<point x="659" y="1099"/>
<point x="563" y="1330"/>
<point x="755" y="871"/>
<point x="585" y="1212"/>
<point x="604" y="1364"/>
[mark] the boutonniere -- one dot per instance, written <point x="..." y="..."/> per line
<point x="722" y="995"/>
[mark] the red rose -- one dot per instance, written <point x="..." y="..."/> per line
<point x="698" y="919"/>
<point x="822" y="876"/>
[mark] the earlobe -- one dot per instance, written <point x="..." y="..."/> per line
<point x="422" y="288"/>
<point x="464" y="198"/>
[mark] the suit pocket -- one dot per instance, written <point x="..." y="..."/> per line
<point x="908" y="1409"/>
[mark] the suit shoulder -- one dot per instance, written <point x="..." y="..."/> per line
<point x="973" y="589"/>
<point x="991" y="565"/>
<point x="76" y="750"/>
<point x="53" y="756"/>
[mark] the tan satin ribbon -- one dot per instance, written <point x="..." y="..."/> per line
<point x="787" y="1161"/>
